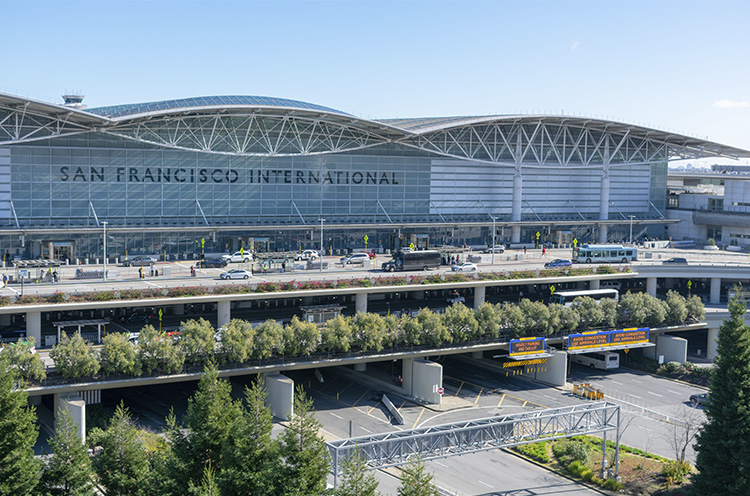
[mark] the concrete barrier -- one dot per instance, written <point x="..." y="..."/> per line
<point x="394" y="411"/>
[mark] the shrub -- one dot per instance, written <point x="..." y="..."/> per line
<point x="586" y="474"/>
<point x="676" y="471"/>
<point x="578" y="451"/>
<point x="575" y="468"/>
<point x="612" y="485"/>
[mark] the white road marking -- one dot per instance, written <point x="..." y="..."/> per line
<point x="342" y="418"/>
<point x="482" y="482"/>
<point x="365" y="429"/>
<point x="674" y="392"/>
<point x="655" y="394"/>
<point x="152" y="284"/>
<point x="634" y="396"/>
<point x="645" y="428"/>
<point x="636" y="380"/>
<point x="618" y="383"/>
<point x="441" y="464"/>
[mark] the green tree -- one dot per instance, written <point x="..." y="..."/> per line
<point x="303" y="451"/>
<point x="431" y="328"/>
<point x="695" y="308"/>
<point x="301" y="338"/>
<point x="488" y="318"/>
<point x="118" y="355"/>
<point x="159" y="352"/>
<point x="394" y="331"/>
<point x="208" y="485"/>
<point x="68" y="471"/>
<point x="368" y="331"/>
<point x="27" y="363"/>
<point x="511" y="318"/>
<point x="415" y="481"/>
<point x="535" y="318"/>
<point x="589" y="312"/>
<point x="336" y="334"/>
<point x="19" y="471"/>
<point x="237" y="341"/>
<point x="122" y="465"/>
<point x="356" y="479"/>
<point x="269" y="338"/>
<point x="723" y="449"/>
<point x="250" y="458"/>
<point x="641" y="309"/>
<point x="198" y="340"/>
<point x="568" y="317"/>
<point x="74" y="358"/>
<point x="461" y="323"/>
<point x="676" y="308"/>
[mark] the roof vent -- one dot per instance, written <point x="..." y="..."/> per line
<point x="74" y="99"/>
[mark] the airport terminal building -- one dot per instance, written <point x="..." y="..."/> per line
<point x="218" y="173"/>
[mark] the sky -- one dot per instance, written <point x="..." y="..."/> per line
<point x="681" y="66"/>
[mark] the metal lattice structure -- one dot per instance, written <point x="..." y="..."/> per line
<point x="397" y="448"/>
<point x="23" y="122"/>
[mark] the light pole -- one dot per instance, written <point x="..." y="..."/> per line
<point x="322" y="247"/>
<point x="493" y="240"/>
<point x="631" y="228"/>
<point x="105" y="249"/>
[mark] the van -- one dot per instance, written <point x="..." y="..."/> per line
<point x="603" y="361"/>
<point x="609" y="285"/>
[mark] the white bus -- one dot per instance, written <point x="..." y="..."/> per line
<point x="605" y="253"/>
<point x="566" y="297"/>
<point x="604" y="361"/>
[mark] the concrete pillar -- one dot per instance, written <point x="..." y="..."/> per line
<point x="715" y="290"/>
<point x="224" y="314"/>
<point x="651" y="286"/>
<point x="427" y="376"/>
<point x="594" y="284"/>
<point x="604" y="205"/>
<point x="418" y="295"/>
<point x="582" y="285"/>
<point x="406" y="375"/>
<point x="5" y="320"/>
<point x="713" y="338"/>
<point x="479" y="294"/>
<point x="603" y="233"/>
<point x="515" y="234"/>
<point x="360" y="366"/>
<point x="280" y="398"/>
<point x="555" y="371"/>
<point x="77" y="407"/>
<point x="360" y="302"/>
<point x="477" y="354"/>
<point x="178" y="309"/>
<point x="34" y="327"/>
<point x="515" y="215"/>
<point x="673" y="348"/>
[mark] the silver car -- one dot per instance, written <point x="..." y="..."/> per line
<point x="235" y="274"/>
<point x="140" y="261"/>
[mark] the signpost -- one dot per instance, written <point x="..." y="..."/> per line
<point x="366" y="240"/>
<point x="537" y="239"/>
<point x="160" y="314"/>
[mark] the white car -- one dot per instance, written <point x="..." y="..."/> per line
<point x="464" y="267"/>
<point x="239" y="257"/>
<point x="355" y="259"/>
<point x="235" y="274"/>
<point x="307" y="255"/>
<point x="496" y="249"/>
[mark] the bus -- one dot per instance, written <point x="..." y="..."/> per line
<point x="603" y="361"/>
<point x="413" y="260"/>
<point x="605" y="253"/>
<point x="566" y="298"/>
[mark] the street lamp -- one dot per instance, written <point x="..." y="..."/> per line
<point x="493" y="239"/>
<point x="631" y="228"/>
<point x="322" y="248"/>
<point x="105" y="249"/>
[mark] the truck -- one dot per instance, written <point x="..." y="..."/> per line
<point x="413" y="260"/>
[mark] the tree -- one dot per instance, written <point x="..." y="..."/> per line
<point x="535" y="317"/>
<point x="74" y="358"/>
<point x="69" y="469"/>
<point x="208" y="485"/>
<point x="695" y="308"/>
<point x="303" y="451"/>
<point x="429" y="328"/>
<point x="511" y="318"/>
<point x="337" y="334"/>
<point x="488" y="319"/>
<point x="19" y="471"/>
<point x="198" y="340"/>
<point x="676" y="308"/>
<point x="589" y="312"/>
<point x="268" y="338"/>
<point x="118" y="355"/>
<point x="368" y="331"/>
<point x="122" y="465"/>
<point x="609" y="312"/>
<point x="27" y="363"/>
<point x="461" y="323"/>
<point x="250" y="458"/>
<point x="159" y="352"/>
<point x="682" y="430"/>
<point x="723" y="451"/>
<point x="641" y="309"/>
<point x="301" y="338"/>
<point x="416" y="481"/>
<point x="356" y="479"/>
<point x="237" y="340"/>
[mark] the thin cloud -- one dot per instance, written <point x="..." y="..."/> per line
<point x="573" y="46"/>
<point x="731" y="104"/>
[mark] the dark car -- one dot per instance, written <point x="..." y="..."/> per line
<point x="140" y="261"/>
<point x="12" y="335"/>
<point x="676" y="261"/>
<point x="698" y="399"/>
<point x="560" y="262"/>
<point x="139" y="318"/>
<point x="216" y="263"/>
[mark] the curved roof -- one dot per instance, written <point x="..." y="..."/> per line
<point x="116" y="111"/>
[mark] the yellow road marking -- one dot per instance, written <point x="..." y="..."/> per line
<point x="478" y="396"/>
<point x="363" y="395"/>
<point x="373" y="408"/>
<point x="501" y="400"/>
<point x="347" y="387"/>
<point x="402" y="405"/>
<point x="524" y="404"/>
<point x="417" y="421"/>
<point x="459" y="388"/>
<point x="498" y="390"/>
<point x="328" y="384"/>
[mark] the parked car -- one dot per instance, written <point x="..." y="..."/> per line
<point x="139" y="317"/>
<point x="307" y="255"/>
<point x="464" y="267"/>
<point x="22" y="342"/>
<point x="239" y="257"/>
<point x="675" y="261"/>
<point x="456" y="298"/>
<point x="698" y="399"/>
<point x="355" y="259"/>
<point x="217" y="263"/>
<point x="12" y="335"/>
<point x="559" y="262"/>
<point x="495" y="249"/>
<point x="235" y="274"/>
<point x="139" y="261"/>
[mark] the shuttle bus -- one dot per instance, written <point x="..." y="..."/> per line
<point x="604" y="254"/>
<point x="566" y="298"/>
<point x="604" y="361"/>
<point x="413" y="260"/>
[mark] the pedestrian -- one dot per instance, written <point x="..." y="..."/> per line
<point x="5" y="280"/>
<point x="283" y="267"/>
<point x="156" y="272"/>
<point x="544" y="250"/>
<point x="265" y="267"/>
<point x="151" y="270"/>
<point x="140" y="272"/>
<point x="54" y="276"/>
<point x="192" y="271"/>
<point x="524" y="250"/>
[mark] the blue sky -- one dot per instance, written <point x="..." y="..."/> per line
<point x="676" y="65"/>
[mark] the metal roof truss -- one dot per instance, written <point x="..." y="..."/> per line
<point x="19" y="124"/>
